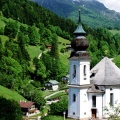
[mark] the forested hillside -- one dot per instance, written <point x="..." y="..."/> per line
<point x="93" y="12"/>
<point x="25" y="24"/>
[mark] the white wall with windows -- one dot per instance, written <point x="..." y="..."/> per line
<point x="78" y="103"/>
<point x="79" y="72"/>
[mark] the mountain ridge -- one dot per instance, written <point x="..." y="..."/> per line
<point x="93" y="13"/>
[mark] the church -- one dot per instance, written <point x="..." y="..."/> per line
<point x="90" y="91"/>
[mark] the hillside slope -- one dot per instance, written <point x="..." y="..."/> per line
<point x="9" y="94"/>
<point x="94" y="13"/>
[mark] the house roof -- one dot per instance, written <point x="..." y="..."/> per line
<point x="54" y="82"/>
<point x="27" y="104"/>
<point x="105" y="73"/>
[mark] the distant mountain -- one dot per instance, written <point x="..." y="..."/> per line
<point x="93" y="13"/>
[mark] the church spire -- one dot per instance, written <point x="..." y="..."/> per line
<point x="79" y="30"/>
<point x="79" y="43"/>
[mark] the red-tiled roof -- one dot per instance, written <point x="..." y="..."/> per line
<point x="27" y="104"/>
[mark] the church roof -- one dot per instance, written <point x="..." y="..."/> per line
<point x="79" y="29"/>
<point x="105" y="73"/>
<point x="94" y="89"/>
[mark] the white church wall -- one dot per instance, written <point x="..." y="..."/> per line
<point x="73" y="80"/>
<point x="99" y="105"/>
<point x="116" y="91"/>
<point x="84" y="79"/>
<point x="80" y="78"/>
<point x="84" y="103"/>
<point x="116" y="97"/>
<point x="74" y="106"/>
<point x="80" y="108"/>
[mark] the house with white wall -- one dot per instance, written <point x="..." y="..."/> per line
<point x="52" y="85"/>
<point x="90" y="91"/>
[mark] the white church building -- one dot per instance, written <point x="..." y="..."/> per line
<point x="90" y="91"/>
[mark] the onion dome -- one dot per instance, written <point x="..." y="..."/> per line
<point x="79" y="43"/>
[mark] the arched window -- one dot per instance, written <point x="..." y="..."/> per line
<point x="74" y="97"/>
<point x="84" y="70"/>
<point x="74" y="71"/>
<point x="111" y="99"/>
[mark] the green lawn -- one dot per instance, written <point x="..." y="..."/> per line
<point x="9" y="94"/>
<point x="59" y="95"/>
<point x="53" y="117"/>
<point x="33" y="51"/>
<point x="115" y="31"/>
<point x="64" y="56"/>
<point x="62" y="40"/>
<point x="47" y="92"/>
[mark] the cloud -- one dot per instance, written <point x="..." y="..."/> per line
<point x="111" y="4"/>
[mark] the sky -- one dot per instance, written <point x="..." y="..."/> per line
<point x="111" y="4"/>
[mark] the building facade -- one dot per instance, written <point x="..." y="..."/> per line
<point x="90" y="91"/>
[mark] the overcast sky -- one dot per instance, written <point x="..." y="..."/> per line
<point x="112" y="4"/>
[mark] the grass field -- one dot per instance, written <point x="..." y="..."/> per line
<point x="59" y="95"/>
<point x="53" y="117"/>
<point x="33" y="51"/>
<point x="9" y="94"/>
<point x="63" y="56"/>
<point x="115" y="31"/>
<point x="47" y="92"/>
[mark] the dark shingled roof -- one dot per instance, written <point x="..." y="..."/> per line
<point x="105" y="73"/>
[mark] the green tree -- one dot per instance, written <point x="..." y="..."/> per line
<point x="58" y="107"/>
<point x="40" y="72"/>
<point x="9" y="109"/>
<point x="38" y="99"/>
<point x="10" y="70"/>
<point x="34" y="35"/>
<point x="1" y="48"/>
<point x="11" y="29"/>
<point x="54" y="50"/>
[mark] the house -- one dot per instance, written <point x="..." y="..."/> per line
<point x="49" y="47"/>
<point x="52" y="85"/>
<point x="90" y="91"/>
<point x="27" y="107"/>
<point x="65" y="79"/>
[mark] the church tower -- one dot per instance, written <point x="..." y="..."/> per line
<point x="79" y="83"/>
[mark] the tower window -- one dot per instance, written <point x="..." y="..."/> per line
<point x="111" y="99"/>
<point x="74" y="71"/>
<point x="74" y="97"/>
<point x="94" y="101"/>
<point x="84" y="70"/>
<point x="111" y="89"/>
